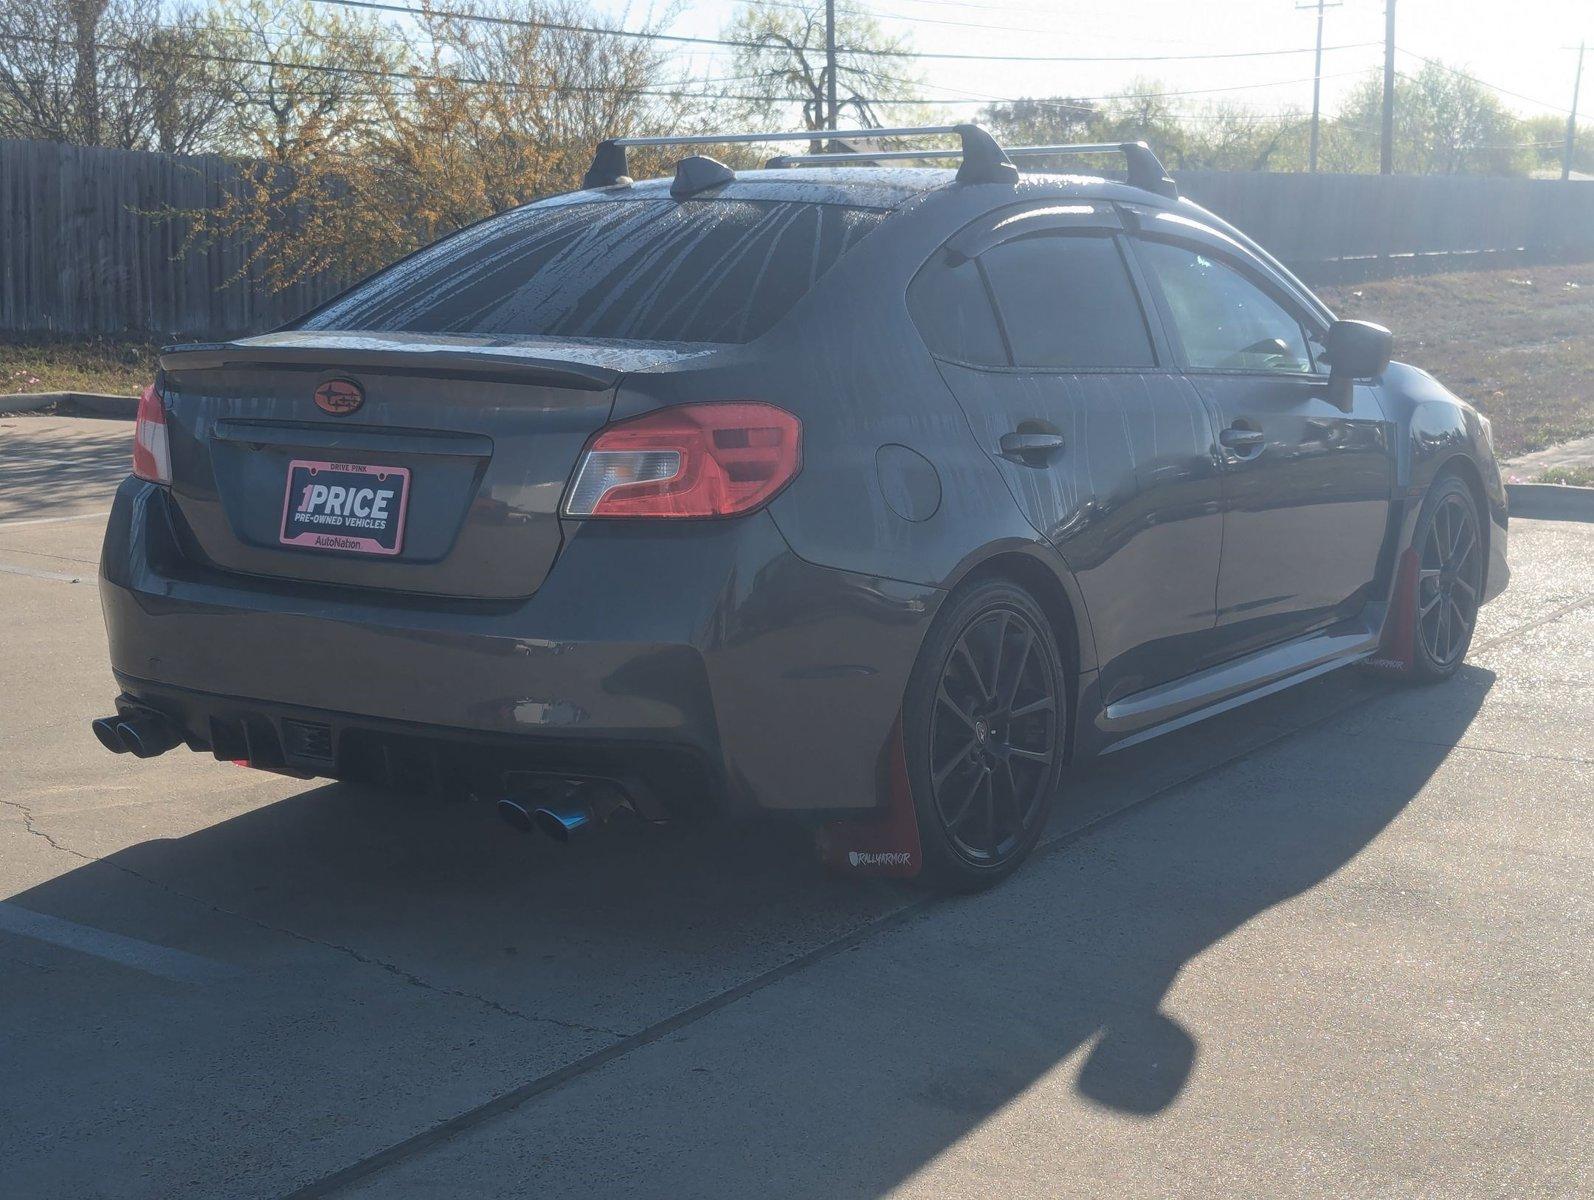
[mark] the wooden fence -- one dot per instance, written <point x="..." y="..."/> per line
<point x="78" y="255"/>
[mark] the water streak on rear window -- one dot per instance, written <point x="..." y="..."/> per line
<point x="693" y="271"/>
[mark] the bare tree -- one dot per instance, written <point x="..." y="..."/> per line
<point x="126" y="73"/>
<point x="510" y="109"/>
<point x="783" y="61"/>
<point x="359" y="141"/>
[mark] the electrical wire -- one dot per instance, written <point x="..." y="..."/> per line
<point x="855" y="51"/>
<point x="1494" y="87"/>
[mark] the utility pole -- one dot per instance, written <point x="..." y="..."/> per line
<point x="830" y="64"/>
<point x="1571" y="117"/>
<point x="1386" y="144"/>
<point x="1317" y="80"/>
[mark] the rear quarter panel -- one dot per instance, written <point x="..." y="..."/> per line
<point x="892" y="482"/>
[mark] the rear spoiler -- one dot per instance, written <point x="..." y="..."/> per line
<point x="496" y="362"/>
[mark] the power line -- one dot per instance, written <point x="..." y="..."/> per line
<point x="857" y="51"/>
<point x="1077" y="102"/>
<point x="411" y="76"/>
<point x="1434" y="62"/>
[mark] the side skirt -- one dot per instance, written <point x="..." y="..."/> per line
<point x="1171" y="706"/>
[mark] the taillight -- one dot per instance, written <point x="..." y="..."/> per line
<point x="695" y="460"/>
<point x="152" y="455"/>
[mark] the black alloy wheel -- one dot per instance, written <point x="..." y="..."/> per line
<point x="990" y="723"/>
<point x="1449" y="578"/>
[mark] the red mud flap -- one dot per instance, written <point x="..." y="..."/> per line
<point x="1397" y="651"/>
<point x="879" y="845"/>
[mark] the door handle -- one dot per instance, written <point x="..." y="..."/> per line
<point x="1243" y="440"/>
<point x="1028" y="446"/>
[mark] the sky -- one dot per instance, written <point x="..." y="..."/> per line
<point x="1527" y="47"/>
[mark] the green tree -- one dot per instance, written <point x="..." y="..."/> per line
<point x="1044" y="121"/>
<point x="1445" y="124"/>
<point x="1546" y="136"/>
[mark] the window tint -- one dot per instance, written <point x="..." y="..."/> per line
<point x="1223" y="319"/>
<point x="694" y="271"/>
<point x="953" y="312"/>
<point x="1068" y="302"/>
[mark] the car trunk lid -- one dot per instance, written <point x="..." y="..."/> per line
<point x="431" y="465"/>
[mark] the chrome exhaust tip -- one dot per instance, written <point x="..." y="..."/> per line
<point x="105" y="729"/>
<point x="146" y="737"/>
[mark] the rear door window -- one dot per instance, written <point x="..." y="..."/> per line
<point x="953" y="311"/>
<point x="690" y="271"/>
<point x="1067" y="301"/>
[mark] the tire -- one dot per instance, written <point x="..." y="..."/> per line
<point x="1450" y="564"/>
<point x="984" y="734"/>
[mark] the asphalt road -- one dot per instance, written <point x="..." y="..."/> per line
<point x="1335" y="943"/>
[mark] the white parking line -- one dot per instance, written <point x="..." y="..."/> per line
<point x="161" y="961"/>
<point x="54" y="520"/>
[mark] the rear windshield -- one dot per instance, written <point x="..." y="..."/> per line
<point x="690" y="271"/>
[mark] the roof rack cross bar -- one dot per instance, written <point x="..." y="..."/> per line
<point x="983" y="160"/>
<point x="1145" y="169"/>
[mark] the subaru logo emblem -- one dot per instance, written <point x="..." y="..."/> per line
<point x="339" y="396"/>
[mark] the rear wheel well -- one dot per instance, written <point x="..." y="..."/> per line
<point x="1053" y="598"/>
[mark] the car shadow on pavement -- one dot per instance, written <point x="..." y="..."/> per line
<point x="549" y="953"/>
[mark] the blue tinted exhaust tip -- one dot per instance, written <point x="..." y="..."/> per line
<point x="564" y="808"/>
<point x="563" y="821"/>
<point x="515" y="813"/>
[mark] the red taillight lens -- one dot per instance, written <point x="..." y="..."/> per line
<point x="695" y="460"/>
<point x="152" y="456"/>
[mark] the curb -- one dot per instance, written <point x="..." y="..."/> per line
<point x="95" y="404"/>
<point x="1551" y="501"/>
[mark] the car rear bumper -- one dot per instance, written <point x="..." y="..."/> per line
<point x="705" y="653"/>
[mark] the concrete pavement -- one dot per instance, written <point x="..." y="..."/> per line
<point x="1332" y="943"/>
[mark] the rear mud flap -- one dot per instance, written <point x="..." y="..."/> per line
<point x="884" y="844"/>
<point x="1397" y="650"/>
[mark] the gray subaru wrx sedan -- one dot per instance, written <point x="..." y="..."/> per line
<point x="874" y="494"/>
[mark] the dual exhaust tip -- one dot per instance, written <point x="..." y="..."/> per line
<point x="141" y="736"/>
<point x="562" y="812"/>
<point x="565" y="809"/>
<point x="561" y="821"/>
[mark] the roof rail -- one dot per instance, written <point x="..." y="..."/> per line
<point x="983" y="160"/>
<point x="1145" y="168"/>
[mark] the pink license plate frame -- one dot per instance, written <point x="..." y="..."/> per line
<point x="351" y="533"/>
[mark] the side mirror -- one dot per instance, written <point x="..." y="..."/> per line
<point x="1358" y="349"/>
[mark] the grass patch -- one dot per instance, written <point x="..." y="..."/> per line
<point x="113" y="366"/>
<point x="1575" y="476"/>
<point x="1518" y="343"/>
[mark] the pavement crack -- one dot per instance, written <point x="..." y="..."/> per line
<point x="31" y="825"/>
<point x="1474" y="748"/>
